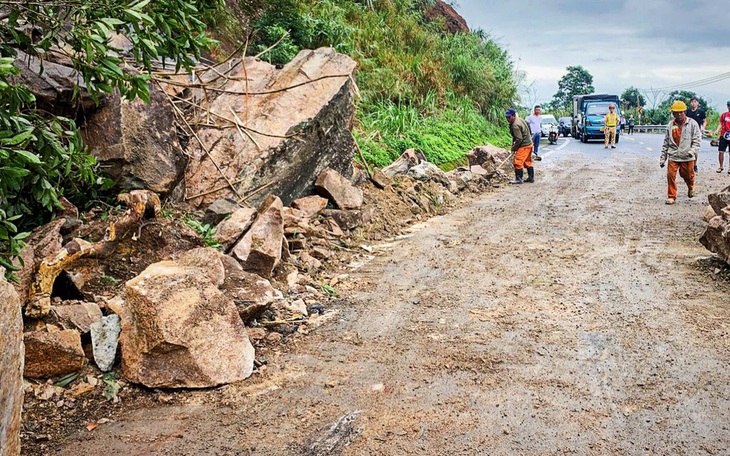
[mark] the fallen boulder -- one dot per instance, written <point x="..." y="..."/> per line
<point x="339" y="190"/>
<point x="490" y="158"/>
<point x="406" y="161"/>
<point x="208" y="260"/>
<point x="219" y="210"/>
<point x="76" y="315"/>
<point x="52" y="354"/>
<point x="251" y="293"/>
<point x="259" y="250"/>
<point x="310" y="206"/>
<point x="274" y="129"/>
<point x="11" y="368"/>
<point x="718" y="201"/>
<point x="716" y="237"/>
<point x="136" y="142"/>
<point x="180" y="331"/>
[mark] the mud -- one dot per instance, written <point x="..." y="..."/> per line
<point x="576" y="315"/>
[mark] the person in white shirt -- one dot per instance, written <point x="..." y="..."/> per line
<point x="534" y="120"/>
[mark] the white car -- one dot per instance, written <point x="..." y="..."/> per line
<point x="548" y="124"/>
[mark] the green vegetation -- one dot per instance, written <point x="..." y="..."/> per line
<point x="205" y="231"/>
<point x="577" y="81"/>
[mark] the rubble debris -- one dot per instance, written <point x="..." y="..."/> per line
<point x="219" y="210"/>
<point x="78" y="315"/>
<point x="406" y="161"/>
<point x="310" y="206"/>
<point x="230" y="230"/>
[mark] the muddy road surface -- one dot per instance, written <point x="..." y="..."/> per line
<point x="576" y="315"/>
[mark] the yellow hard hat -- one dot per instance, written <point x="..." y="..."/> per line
<point x="678" y="106"/>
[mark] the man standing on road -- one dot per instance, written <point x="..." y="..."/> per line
<point x="681" y="146"/>
<point x="610" y="121"/>
<point x="698" y="115"/>
<point x="534" y="120"/>
<point x="724" y="131"/>
<point x="521" y="147"/>
<point x="631" y="125"/>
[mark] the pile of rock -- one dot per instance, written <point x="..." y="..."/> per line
<point x="716" y="237"/>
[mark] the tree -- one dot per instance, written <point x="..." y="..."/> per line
<point x="631" y="98"/>
<point x="42" y="155"/>
<point x="683" y="95"/>
<point x="578" y="81"/>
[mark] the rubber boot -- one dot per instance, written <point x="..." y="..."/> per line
<point x="530" y="175"/>
<point x="518" y="177"/>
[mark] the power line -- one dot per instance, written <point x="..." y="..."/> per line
<point x="693" y="84"/>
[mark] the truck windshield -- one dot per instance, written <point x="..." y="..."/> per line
<point x="597" y="109"/>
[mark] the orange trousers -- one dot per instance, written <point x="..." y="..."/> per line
<point x="686" y="171"/>
<point x="523" y="157"/>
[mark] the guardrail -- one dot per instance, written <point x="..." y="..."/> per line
<point x="648" y="128"/>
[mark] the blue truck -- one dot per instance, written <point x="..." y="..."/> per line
<point x="588" y="113"/>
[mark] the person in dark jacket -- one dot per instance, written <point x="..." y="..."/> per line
<point x="521" y="147"/>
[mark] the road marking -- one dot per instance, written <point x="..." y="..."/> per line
<point x="649" y="148"/>
<point x="550" y="151"/>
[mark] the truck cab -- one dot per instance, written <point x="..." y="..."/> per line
<point x="588" y="114"/>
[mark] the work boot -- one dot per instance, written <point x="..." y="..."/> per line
<point x="518" y="177"/>
<point x="537" y="157"/>
<point x="691" y="193"/>
<point x="530" y="175"/>
<point x="669" y="201"/>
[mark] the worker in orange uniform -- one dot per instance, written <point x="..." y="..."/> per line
<point x="610" y="121"/>
<point x="681" y="147"/>
<point x="521" y="147"/>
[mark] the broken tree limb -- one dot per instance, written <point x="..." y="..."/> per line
<point x="140" y="203"/>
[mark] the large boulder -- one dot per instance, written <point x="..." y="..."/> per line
<point x="52" y="354"/>
<point x="284" y="127"/>
<point x="180" y="330"/>
<point x="716" y="237"/>
<point x="488" y="157"/>
<point x="252" y="294"/>
<point x="719" y="200"/>
<point x="58" y="88"/>
<point x="136" y="143"/>
<point x="259" y="250"/>
<point x="310" y="206"/>
<point x="11" y="368"/>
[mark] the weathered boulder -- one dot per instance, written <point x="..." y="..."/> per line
<point x="295" y="221"/>
<point x="219" y="210"/>
<point x="230" y="230"/>
<point x="339" y="190"/>
<point x="11" y="368"/>
<point x="208" y="260"/>
<point x="53" y="85"/>
<point x="76" y="315"/>
<point x="259" y="250"/>
<point x="251" y="293"/>
<point x="716" y="237"/>
<point x="380" y="179"/>
<point x="284" y="127"/>
<point x="453" y="22"/>
<point x="310" y="206"/>
<point x="180" y="330"/>
<point x="52" y="354"/>
<point x="136" y="143"/>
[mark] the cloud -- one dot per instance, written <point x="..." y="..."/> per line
<point x="649" y="43"/>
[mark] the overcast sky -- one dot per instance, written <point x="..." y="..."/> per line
<point x="623" y="43"/>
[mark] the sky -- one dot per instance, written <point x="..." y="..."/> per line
<point x="648" y="44"/>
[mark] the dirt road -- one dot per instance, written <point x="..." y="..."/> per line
<point x="576" y="315"/>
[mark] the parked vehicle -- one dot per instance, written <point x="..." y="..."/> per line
<point x="548" y="124"/>
<point x="588" y="114"/>
<point x="564" y="125"/>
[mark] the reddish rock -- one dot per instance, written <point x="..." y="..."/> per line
<point x="719" y="200"/>
<point x="310" y="206"/>
<point x="339" y="190"/>
<point x="349" y="220"/>
<point x="453" y="22"/>
<point x="53" y="354"/>
<point x="380" y="179"/>
<point x="259" y="250"/>
<point x="251" y="293"/>
<point x="180" y="331"/>
<point x="230" y="230"/>
<point x="76" y="315"/>
<point x="11" y="368"/>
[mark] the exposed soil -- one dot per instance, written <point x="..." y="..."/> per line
<point x="577" y="315"/>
